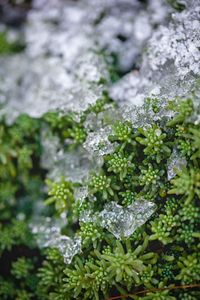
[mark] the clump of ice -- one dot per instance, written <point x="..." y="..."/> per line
<point x="175" y="164"/>
<point x="178" y="43"/>
<point x="131" y="89"/>
<point x="48" y="234"/>
<point x="80" y="193"/>
<point x="170" y="66"/>
<point x="121" y="221"/>
<point x="73" y="164"/>
<point x="61" y="66"/>
<point x="97" y="143"/>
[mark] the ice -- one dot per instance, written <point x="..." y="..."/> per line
<point x="69" y="247"/>
<point x="80" y="193"/>
<point x="48" y="234"/>
<point x="45" y="230"/>
<point x="170" y="65"/>
<point x="46" y="86"/>
<point x="178" y="43"/>
<point x="175" y="164"/>
<point x="61" y="66"/>
<point x="121" y="221"/>
<point x="97" y="143"/>
<point x="131" y="89"/>
<point x="74" y="164"/>
<point x="195" y="117"/>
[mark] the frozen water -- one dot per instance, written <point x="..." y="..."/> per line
<point x="60" y="68"/>
<point x="171" y="64"/>
<point x="46" y="86"/>
<point x="131" y="89"/>
<point x="74" y="165"/>
<point x="121" y="221"/>
<point x="175" y="163"/>
<point x="80" y="193"/>
<point x="97" y="143"/>
<point x="178" y="43"/>
<point x="48" y="234"/>
<point x="68" y="247"/>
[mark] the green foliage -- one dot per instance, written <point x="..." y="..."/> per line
<point x="7" y="47"/>
<point x="189" y="268"/>
<point x="161" y="253"/>
<point x="154" y="141"/>
<point x="60" y="193"/>
<point x="21" y="268"/>
<point x="119" y="164"/>
<point x="187" y="183"/>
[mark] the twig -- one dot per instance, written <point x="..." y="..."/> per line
<point x="176" y="287"/>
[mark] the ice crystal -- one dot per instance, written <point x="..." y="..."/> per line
<point x="80" y="193"/>
<point x="175" y="163"/>
<point x="48" y="234"/>
<point x="121" y="221"/>
<point x="97" y="143"/>
<point x="66" y="67"/>
<point x="170" y="67"/>
<point x="74" y="165"/>
<point x="131" y="89"/>
<point x="178" y="43"/>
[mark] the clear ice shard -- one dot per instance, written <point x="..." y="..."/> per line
<point x="74" y="165"/>
<point x="175" y="163"/>
<point x="121" y="221"/>
<point x="48" y="234"/>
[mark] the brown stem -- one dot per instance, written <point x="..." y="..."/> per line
<point x="176" y="287"/>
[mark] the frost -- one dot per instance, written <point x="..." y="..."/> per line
<point x="121" y="221"/>
<point x="66" y="68"/>
<point x="171" y="64"/>
<point x="175" y="164"/>
<point x="46" y="86"/>
<point x="195" y="117"/>
<point x="97" y="143"/>
<point x="74" y="165"/>
<point x="138" y="116"/>
<point x="131" y="89"/>
<point x="178" y="43"/>
<point x="80" y="193"/>
<point x="48" y="234"/>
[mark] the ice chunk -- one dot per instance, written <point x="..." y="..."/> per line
<point x="121" y="221"/>
<point x="97" y="143"/>
<point x="80" y="193"/>
<point x="68" y="247"/>
<point x="74" y="165"/>
<point x="175" y="163"/>
<point x="178" y="43"/>
<point x="48" y="234"/>
<point x="66" y="64"/>
<point x="131" y="89"/>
